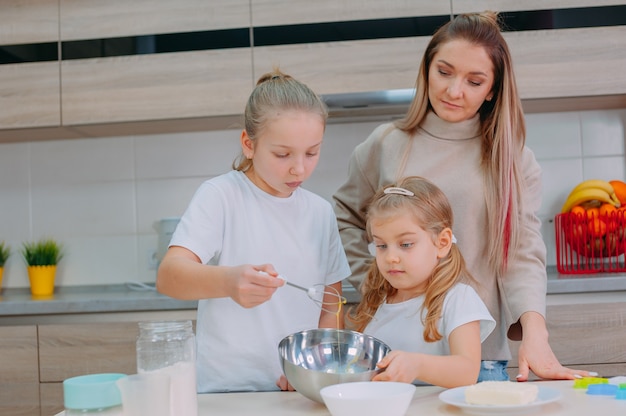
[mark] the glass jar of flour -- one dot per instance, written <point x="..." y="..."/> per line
<point x="169" y="347"/>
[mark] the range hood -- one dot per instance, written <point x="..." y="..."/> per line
<point x="370" y="104"/>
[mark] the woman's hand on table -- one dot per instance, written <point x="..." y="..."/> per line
<point x="536" y="355"/>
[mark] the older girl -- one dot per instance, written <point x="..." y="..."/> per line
<point x="243" y="228"/>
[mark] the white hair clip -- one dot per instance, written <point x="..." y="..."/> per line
<point x="399" y="191"/>
<point x="453" y="239"/>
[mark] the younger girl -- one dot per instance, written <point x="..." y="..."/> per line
<point x="415" y="296"/>
<point x="243" y="228"/>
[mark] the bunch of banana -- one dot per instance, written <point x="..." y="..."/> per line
<point x="592" y="192"/>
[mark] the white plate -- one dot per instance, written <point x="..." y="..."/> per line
<point x="456" y="397"/>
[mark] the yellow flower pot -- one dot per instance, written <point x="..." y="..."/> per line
<point x="1" y="270"/>
<point x="41" y="280"/>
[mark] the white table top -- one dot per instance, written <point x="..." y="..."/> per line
<point x="426" y="401"/>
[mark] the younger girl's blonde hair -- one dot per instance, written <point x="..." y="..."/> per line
<point x="276" y="92"/>
<point x="431" y="210"/>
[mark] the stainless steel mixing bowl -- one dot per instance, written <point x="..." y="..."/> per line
<point x="317" y="358"/>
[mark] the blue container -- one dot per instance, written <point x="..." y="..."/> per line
<point x="93" y="393"/>
<point x="602" y="389"/>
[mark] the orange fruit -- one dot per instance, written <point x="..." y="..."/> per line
<point x="592" y="213"/>
<point x="620" y="190"/>
<point x="608" y="213"/>
<point x="607" y="210"/>
<point x="597" y="227"/>
<point x="578" y="210"/>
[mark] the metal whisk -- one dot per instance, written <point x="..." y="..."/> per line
<point x="323" y="296"/>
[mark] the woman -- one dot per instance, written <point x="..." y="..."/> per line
<point x="465" y="131"/>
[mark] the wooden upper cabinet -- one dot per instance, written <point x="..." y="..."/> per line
<point x="467" y="6"/>
<point x="29" y="21"/>
<point x="30" y="95"/>
<point x="346" y="63"/>
<point x="160" y="73"/>
<point x="156" y="87"/>
<point x="29" y="84"/>
<point x="288" y="12"/>
<point x="345" y="67"/>
<point x="120" y="62"/>
<point x="97" y="19"/>
<point x="569" y="62"/>
<point x="561" y="62"/>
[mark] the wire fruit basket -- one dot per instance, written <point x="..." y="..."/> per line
<point x="590" y="245"/>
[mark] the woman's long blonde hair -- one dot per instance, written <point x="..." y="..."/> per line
<point x="430" y="208"/>
<point x="502" y="125"/>
<point x="274" y="93"/>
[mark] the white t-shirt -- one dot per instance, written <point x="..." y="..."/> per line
<point x="230" y="221"/>
<point x="399" y="325"/>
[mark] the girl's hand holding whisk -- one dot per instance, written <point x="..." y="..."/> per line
<point x="249" y="288"/>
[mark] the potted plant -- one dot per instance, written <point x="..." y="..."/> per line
<point x="5" y="252"/>
<point x="42" y="258"/>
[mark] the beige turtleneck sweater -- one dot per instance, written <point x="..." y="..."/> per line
<point x="448" y="154"/>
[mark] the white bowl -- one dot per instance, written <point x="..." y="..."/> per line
<point x="364" y="398"/>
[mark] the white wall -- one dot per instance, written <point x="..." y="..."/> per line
<point x="101" y="197"/>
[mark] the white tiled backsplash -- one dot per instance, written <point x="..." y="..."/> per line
<point x="101" y="197"/>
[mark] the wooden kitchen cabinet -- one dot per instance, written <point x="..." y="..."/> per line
<point x="344" y="66"/>
<point x="96" y="19"/>
<point x="28" y="21"/>
<point x="549" y="64"/>
<point x="75" y="349"/>
<point x="569" y="62"/>
<point x="43" y="350"/>
<point x="288" y="12"/>
<point x="19" y="371"/>
<point x="30" y="90"/>
<point x="207" y="88"/>
<point x="30" y="95"/>
<point x="156" y="86"/>
<point x="69" y="350"/>
<point x="562" y="63"/>
<point x="587" y="337"/>
<point x="468" y="6"/>
<point x="153" y="86"/>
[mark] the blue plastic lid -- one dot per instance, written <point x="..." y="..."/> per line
<point x="93" y="391"/>
<point x="602" y="389"/>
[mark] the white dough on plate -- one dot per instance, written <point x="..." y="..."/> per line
<point x="499" y="393"/>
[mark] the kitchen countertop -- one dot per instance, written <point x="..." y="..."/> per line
<point x="134" y="297"/>
<point x="573" y="402"/>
